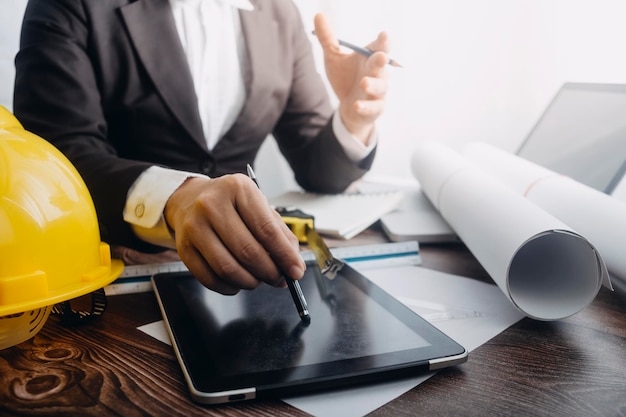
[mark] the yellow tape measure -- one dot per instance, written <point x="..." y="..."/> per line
<point x="303" y="226"/>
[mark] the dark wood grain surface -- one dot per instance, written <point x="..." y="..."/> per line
<point x="572" y="367"/>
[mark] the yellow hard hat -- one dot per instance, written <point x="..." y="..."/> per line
<point x="50" y="244"/>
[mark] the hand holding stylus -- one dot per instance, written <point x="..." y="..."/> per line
<point x="229" y="237"/>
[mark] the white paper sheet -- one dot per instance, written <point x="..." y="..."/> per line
<point x="469" y="311"/>
<point x="547" y="269"/>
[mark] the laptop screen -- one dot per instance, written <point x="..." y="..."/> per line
<point x="582" y="134"/>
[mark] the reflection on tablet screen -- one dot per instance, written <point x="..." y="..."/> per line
<point x="246" y="333"/>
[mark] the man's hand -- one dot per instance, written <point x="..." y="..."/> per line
<point x="229" y="237"/>
<point x="360" y="83"/>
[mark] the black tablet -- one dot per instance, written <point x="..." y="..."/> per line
<point x="254" y="345"/>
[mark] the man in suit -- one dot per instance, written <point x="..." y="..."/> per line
<point x="161" y="103"/>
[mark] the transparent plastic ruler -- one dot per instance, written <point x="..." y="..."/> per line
<point x="136" y="278"/>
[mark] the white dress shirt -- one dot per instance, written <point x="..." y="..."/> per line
<point x="211" y="35"/>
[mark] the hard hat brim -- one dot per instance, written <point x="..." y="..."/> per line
<point x="64" y="294"/>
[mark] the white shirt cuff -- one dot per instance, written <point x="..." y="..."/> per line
<point x="354" y="148"/>
<point x="146" y="201"/>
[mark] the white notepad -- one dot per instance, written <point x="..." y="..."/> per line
<point x="341" y="215"/>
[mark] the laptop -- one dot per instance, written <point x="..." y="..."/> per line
<point x="581" y="134"/>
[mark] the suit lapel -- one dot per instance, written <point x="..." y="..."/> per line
<point x="260" y="32"/>
<point x="153" y="32"/>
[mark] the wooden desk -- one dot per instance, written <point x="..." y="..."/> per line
<point x="574" y="367"/>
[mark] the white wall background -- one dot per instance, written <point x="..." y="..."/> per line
<point x="479" y="69"/>
<point x="474" y="69"/>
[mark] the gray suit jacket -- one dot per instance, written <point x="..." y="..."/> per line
<point x="107" y="82"/>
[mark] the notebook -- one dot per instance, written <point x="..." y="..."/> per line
<point x="341" y="215"/>
<point x="580" y="134"/>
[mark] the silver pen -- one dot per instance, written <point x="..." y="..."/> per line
<point x="363" y="51"/>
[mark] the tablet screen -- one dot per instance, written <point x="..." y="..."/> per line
<point x="256" y="338"/>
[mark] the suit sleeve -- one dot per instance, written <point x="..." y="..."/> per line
<point x="304" y="132"/>
<point x="56" y="96"/>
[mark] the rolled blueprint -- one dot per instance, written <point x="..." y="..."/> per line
<point x="545" y="268"/>
<point x="594" y="214"/>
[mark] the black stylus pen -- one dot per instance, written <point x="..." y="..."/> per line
<point x="294" y="286"/>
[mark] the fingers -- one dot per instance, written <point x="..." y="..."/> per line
<point x="200" y="269"/>
<point x="374" y="91"/>
<point x="376" y="65"/>
<point x="381" y="43"/>
<point x="325" y="34"/>
<point x="211" y="262"/>
<point x="330" y="43"/>
<point x="375" y="87"/>
<point x="369" y="108"/>
<point x="268" y="229"/>
<point x="229" y="237"/>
